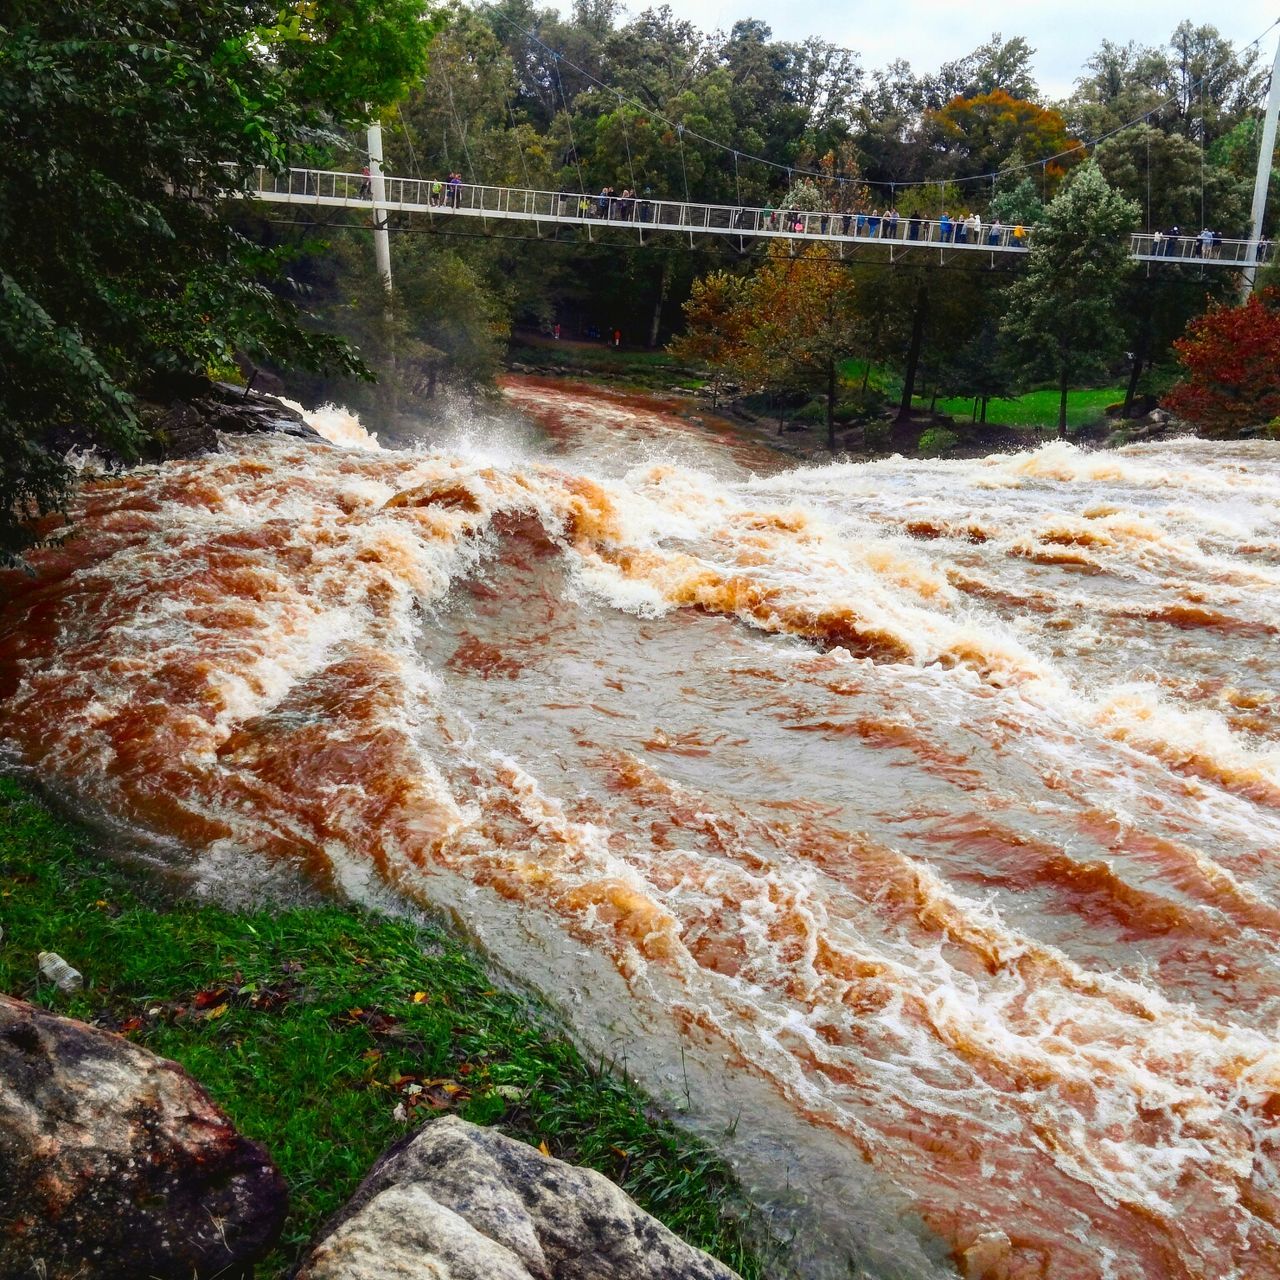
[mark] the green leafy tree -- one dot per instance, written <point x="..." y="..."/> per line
<point x="121" y="272"/>
<point x="1167" y="176"/>
<point x="1061" y="319"/>
<point x="1018" y="203"/>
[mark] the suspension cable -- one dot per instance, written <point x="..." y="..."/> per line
<point x="413" y="159"/>
<point x="683" y="171"/>
<point x="524" y="165"/>
<point x="457" y="124"/>
<point x="568" y="118"/>
<point x="631" y="169"/>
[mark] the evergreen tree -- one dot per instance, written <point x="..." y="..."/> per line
<point x="1062" y="321"/>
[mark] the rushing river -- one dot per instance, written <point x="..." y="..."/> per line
<point x="933" y="807"/>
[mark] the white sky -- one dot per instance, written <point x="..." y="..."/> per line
<point x="927" y="33"/>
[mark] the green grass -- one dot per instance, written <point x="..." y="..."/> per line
<point x="1037" y="408"/>
<point x="309" y="1025"/>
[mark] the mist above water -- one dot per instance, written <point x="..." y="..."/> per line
<point x="934" y="802"/>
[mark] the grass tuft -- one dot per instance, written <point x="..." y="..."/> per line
<point x="328" y="1032"/>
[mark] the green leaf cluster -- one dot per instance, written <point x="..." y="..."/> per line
<point x="123" y="127"/>
<point x="1061" y="319"/>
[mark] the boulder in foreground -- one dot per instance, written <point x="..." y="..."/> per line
<point x="459" y="1202"/>
<point x="115" y="1162"/>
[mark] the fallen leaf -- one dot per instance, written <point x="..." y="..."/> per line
<point x="217" y="1012"/>
<point x="419" y="997"/>
<point x="546" y="1150"/>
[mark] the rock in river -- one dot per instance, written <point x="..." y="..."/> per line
<point x="116" y="1163"/>
<point x="458" y="1202"/>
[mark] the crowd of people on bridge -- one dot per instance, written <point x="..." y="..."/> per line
<point x="627" y="205"/>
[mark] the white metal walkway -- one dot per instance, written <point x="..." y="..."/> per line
<point x="547" y="210"/>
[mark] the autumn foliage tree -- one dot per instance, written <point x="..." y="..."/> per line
<point x="788" y="325"/>
<point x="981" y="133"/>
<point x="1232" y="359"/>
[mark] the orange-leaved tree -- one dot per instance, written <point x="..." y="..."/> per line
<point x="787" y="326"/>
<point x="982" y="133"/>
<point x="1232" y="360"/>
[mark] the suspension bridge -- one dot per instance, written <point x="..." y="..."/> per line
<point x="381" y="195"/>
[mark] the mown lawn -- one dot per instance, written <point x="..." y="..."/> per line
<point x="318" y="1028"/>
<point x="1037" y="408"/>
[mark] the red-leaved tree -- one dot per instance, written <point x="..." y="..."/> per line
<point x="1232" y="360"/>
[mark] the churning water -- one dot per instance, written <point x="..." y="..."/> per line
<point x="932" y="807"/>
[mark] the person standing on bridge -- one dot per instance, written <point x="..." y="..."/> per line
<point x="945" y="229"/>
<point x="455" y="189"/>
<point x="891" y="224"/>
<point x="366" y="183"/>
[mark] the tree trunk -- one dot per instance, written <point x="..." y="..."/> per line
<point x="1139" y="359"/>
<point x="866" y="373"/>
<point x="913" y="352"/>
<point x="986" y="400"/>
<point x="831" y="405"/>
<point x="973" y="417"/>
<point x="933" y="401"/>
<point x="782" y="412"/>
<point x="1062" y="404"/>
<point x="664" y="287"/>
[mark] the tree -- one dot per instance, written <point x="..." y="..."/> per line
<point x="1166" y="174"/>
<point x="977" y="368"/>
<point x="121" y="271"/>
<point x="789" y="325"/>
<point x="979" y="134"/>
<point x="1232" y="359"/>
<point x="999" y="65"/>
<point x="715" y="323"/>
<point x="1061" y="316"/>
<point x="1018" y="201"/>
<point x="804" y="318"/>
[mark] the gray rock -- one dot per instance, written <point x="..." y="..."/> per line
<point x="114" y="1163"/>
<point x="459" y="1202"/>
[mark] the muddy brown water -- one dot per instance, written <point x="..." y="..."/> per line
<point x="913" y="825"/>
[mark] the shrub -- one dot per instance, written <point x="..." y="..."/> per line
<point x="877" y="437"/>
<point x="937" y="440"/>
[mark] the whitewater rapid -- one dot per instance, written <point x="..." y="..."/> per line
<point x="939" y="799"/>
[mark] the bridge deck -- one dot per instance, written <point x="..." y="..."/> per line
<point x="326" y="188"/>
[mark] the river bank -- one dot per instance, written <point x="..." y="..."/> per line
<point x="797" y="431"/>
<point x="326" y="1031"/>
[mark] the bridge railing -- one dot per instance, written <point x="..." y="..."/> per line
<point x="644" y="212"/>
<point x="1157" y="246"/>
<point x="648" y="212"/>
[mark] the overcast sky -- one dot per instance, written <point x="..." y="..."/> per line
<point x="928" y="33"/>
